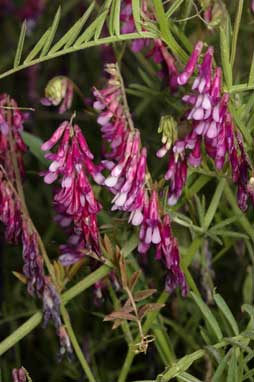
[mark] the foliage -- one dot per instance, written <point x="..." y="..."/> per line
<point x="157" y="336"/>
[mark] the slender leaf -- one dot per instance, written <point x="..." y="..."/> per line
<point x="211" y="320"/>
<point x="105" y="12"/>
<point x="219" y="373"/>
<point x="214" y="204"/>
<point x="72" y="34"/>
<point x="251" y="75"/>
<point x="173" y="8"/>
<point x="233" y="368"/>
<point x="38" y="47"/>
<point x="220" y="302"/>
<point x="226" y="65"/>
<point x="136" y="14"/>
<point x="34" y="143"/>
<point x="236" y="31"/>
<point x="52" y="32"/>
<point x="20" y="45"/>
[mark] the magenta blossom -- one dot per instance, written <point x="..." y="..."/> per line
<point x="210" y="122"/>
<point x="72" y="163"/>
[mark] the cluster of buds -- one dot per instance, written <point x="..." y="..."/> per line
<point x="72" y="162"/>
<point x="211" y="123"/>
<point x="126" y="162"/>
<point x="59" y="91"/>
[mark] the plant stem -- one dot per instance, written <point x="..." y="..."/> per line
<point x="101" y="41"/>
<point x="147" y="325"/>
<point x="20" y="333"/>
<point x="76" y="346"/>
<point x="85" y="283"/>
<point x="236" y="31"/>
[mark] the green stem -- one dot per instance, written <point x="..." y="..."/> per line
<point x="236" y="31"/>
<point x="85" y="283"/>
<point x="243" y="221"/>
<point x="76" y="346"/>
<point x="20" y="333"/>
<point x="147" y="325"/>
<point x="90" y="44"/>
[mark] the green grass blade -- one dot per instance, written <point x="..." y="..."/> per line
<point x="214" y="204"/>
<point x="173" y="8"/>
<point x="34" y="143"/>
<point x="52" y="33"/>
<point x="208" y="315"/>
<point x="236" y="31"/>
<point x="69" y="37"/>
<point x="136" y="14"/>
<point x="117" y="17"/>
<point x="220" y="302"/>
<point x="226" y="65"/>
<point x="20" y="45"/>
<point x="37" y="48"/>
<point x="251" y="75"/>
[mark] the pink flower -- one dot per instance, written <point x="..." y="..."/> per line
<point x="72" y="163"/>
<point x="210" y="122"/>
<point x="19" y="375"/>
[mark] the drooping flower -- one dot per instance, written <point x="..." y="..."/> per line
<point x="210" y="122"/>
<point x="59" y="91"/>
<point x="72" y="162"/>
<point x="167" y="251"/>
<point x="125" y="159"/>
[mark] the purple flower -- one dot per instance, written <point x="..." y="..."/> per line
<point x="167" y="251"/>
<point x="72" y="162"/>
<point x="33" y="262"/>
<point x="51" y="304"/>
<point x="210" y="122"/>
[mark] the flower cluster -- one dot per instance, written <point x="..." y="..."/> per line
<point x="72" y="162"/>
<point x="211" y="123"/>
<point x="126" y="162"/>
<point x="13" y="213"/>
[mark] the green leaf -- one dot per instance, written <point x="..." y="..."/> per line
<point x="38" y="47"/>
<point x="34" y="143"/>
<point x="89" y="32"/>
<point x="117" y="17"/>
<point x="166" y="33"/>
<point x="236" y="31"/>
<point x="173" y="8"/>
<point x="220" y="302"/>
<point x="210" y="318"/>
<point x="226" y="65"/>
<point x="52" y="32"/>
<point x="251" y="75"/>
<point x="136" y="14"/>
<point x="214" y="204"/>
<point x="225" y="222"/>
<point x="103" y="16"/>
<point x="248" y="286"/>
<point x="233" y="368"/>
<point x="72" y="34"/>
<point x="219" y="373"/>
<point x="20" y="45"/>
